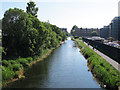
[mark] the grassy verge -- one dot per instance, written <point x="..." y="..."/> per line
<point x="106" y="74"/>
<point x="13" y="70"/>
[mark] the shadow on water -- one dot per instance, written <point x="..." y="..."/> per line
<point x="64" y="68"/>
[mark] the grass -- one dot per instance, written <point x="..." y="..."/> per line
<point x="12" y="69"/>
<point x="72" y="38"/>
<point x="101" y="69"/>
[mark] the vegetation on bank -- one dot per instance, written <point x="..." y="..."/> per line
<point x="14" y="69"/>
<point x="107" y="75"/>
<point x="25" y="40"/>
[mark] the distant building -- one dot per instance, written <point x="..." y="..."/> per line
<point x="104" y="32"/>
<point x="115" y="28"/>
<point x="85" y="32"/>
<point x="112" y="30"/>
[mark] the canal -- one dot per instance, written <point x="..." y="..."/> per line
<point x="64" y="68"/>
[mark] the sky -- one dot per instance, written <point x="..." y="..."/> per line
<point x="66" y="13"/>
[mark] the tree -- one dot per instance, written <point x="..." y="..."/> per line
<point x="16" y="32"/>
<point x="74" y="27"/>
<point x="94" y="33"/>
<point x="64" y="37"/>
<point x="25" y="36"/>
<point x="31" y="9"/>
<point x="73" y="30"/>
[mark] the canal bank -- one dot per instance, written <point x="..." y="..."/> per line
<point x="107" y="75"/>
<point x="21" y="71"/>
<point x="65" y="67"/>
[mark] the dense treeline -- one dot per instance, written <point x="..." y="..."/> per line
<point x="24" y="35"/>
<point x="25" y="40"/>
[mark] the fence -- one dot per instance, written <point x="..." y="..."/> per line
<point x="112" y="52"/>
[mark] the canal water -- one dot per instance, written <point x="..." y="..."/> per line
<point x="64" y="68"/>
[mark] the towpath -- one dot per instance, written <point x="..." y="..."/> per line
<point x="110" y="60"/>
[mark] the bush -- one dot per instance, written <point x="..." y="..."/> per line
<point x="7" y="74"/>
<point x="3" y="68"/>
<point x="23" y="61"/>
<point x="17" y="67"/>
<point x="5" y="63"/>
<point x="35" y="58"/>
<point x="80" y="38"/>
<point x="16" y="74"/>
<point x="12" y="62"/>
<point x="29" y="59"/>
<point x="72" y="38"/>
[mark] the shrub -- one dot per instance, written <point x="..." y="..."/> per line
<point x="23" y="61"/>
<point x="72" y="38"/>
<point x="80" y="38"/>
<point x="29" y="59"/>
<point x="17" y="67"/>
<point x="12" y="62"/>
<point x="7" y="74"/>
<point x="5" y="63"/>
<point x="3" y="68"/>
<point x="16" y="74"/>
<point x="35" y="58"/>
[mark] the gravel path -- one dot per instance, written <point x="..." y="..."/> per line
<point x="110" y="60"/>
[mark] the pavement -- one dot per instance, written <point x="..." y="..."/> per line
<point x="110" y="60"/>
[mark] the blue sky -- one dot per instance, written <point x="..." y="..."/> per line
<point x="66" y="13"/>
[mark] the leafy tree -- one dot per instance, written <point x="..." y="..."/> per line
<point x="31" y="9"/>
<point x="73" y="30"/>
<point x="94" y="33"/>
<point x="74" y="27"/>
<point x="16" y="32"/>
<point x="56" y="29"/>
<point x="24" y="35"/>
<point x="54" y="40"/>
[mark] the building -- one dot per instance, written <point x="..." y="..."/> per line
<point x="114" y="28"/>
<point x="85" y="32"/>
<point x="104" y="32"/>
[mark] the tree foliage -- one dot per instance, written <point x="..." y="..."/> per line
<point x="74" y="27"/>
<point x="94" y="33"/>
<point x="73" y="30"/>
<point x="31" y="9"/>
<point x="24" y="35"/>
